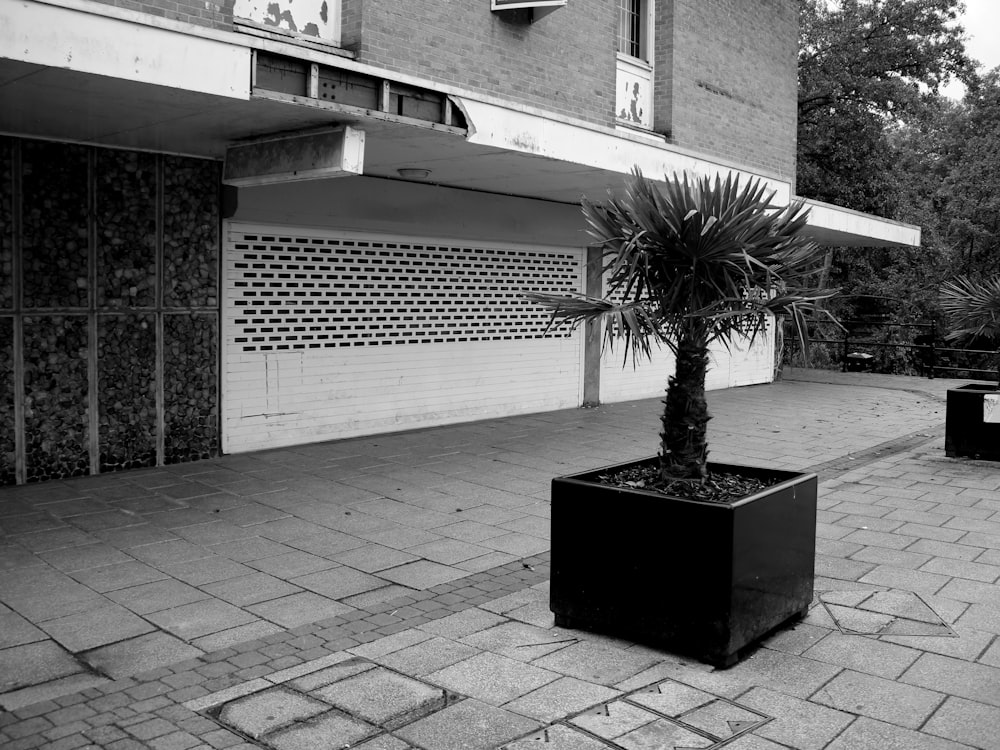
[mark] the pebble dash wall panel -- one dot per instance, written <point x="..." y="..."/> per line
<point x="329" y="335"/>
<point x="108" y="309"/>
<point x="8" y="452"/>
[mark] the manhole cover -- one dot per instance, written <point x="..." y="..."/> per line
<point x="883" y="612"/>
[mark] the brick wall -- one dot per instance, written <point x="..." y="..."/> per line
<point x="563" y="62"/>
<point x="733" y="88"/>
<point x="216" y="14"/>
<point x="724" y="78"/>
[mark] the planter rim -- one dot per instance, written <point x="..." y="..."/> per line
<point x="790" y="478"/>
<point x="983" y="387"/>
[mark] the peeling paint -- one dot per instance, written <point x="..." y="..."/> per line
<point x="307" y="17"/>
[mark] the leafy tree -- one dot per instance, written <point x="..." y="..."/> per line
<point x="863" y="65"/>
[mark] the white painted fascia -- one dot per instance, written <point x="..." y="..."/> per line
<point x="547" y="137"/>
<point x="853" y="228"/>
<point x="78" y="40"/>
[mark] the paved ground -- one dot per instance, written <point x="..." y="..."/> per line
<point x="390" y="593"/>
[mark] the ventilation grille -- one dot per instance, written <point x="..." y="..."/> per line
<point x="312" y="293"/>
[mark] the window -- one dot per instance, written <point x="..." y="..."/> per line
<point x="632" y="23"/>
<point x="634" y="100"/>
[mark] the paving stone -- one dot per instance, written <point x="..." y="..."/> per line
<point x="978" y="682"/>
<point x="974" y="571"/>
<point x="332" y="673"/>
<point x="966" y="721"/>
<point x="560" y="698"/>
<point x="797" y="723"/>
<point x="16" y="631"/>
<point x="612" y="720"/>
<point x="382" y="697"/>
<point x="339" y="582"/>
<point x="557" y="737"/>
<point x="428" y="656"/>
<point x="96" y="627"/>
<point x="34" y="663"/>
<point x="984" y="617"/>
<point x="422" y="574"/>
<point x="258" y="714"/>
<point x="448" y="551"/>
<point x="671" y="698"/>
<point x="974" y="592"/>
<point x="722" y="719"/>
<point x="207" y="570"/>
<point x="796" y="638"/>
<point x="237" y="635"/>
<point x="157" y="596"/>
<point x="170" y="552"/>
<point x="385" y="742"/>
<point x="250" y="589"/>
<point x="292" y="564"/>
<point x="464" y="623"/>
<point x="595" y="662"/>
<point x="863" y="654"/>
<point x="200" y="618"/>
<point x="298" y="609"/>
<point x="140" y="654"/>
<point x="376" y="597"/>
<point x="517" y="640"/>
<point x="468" y="725"/>
<point x="492" y="678"/>
<point x="372" y="558"/>
<point x="867" y="733"/>
<point x="660" y="734"/>
<point x="391" y="643"/>
<point x="247" y="550"/>
<point x="753" y="742"/>
<point x="877" y="698"/>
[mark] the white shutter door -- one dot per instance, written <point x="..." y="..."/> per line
<point x="331" y="335"/>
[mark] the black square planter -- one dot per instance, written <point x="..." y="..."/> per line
<point x="698" y="578"/>
<point x="966" y="434"/>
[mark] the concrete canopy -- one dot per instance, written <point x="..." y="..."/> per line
<point x="65" y="84"/>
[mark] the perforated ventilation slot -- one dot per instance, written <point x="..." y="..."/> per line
<point x="313" y="293"/>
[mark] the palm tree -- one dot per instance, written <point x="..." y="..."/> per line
<point x="697" y="262"/>
<point x="972" y="309"/>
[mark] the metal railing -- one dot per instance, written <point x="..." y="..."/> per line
<point x="929" y="355"/>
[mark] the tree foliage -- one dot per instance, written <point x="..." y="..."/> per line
<point x="876" y="135"/>
<point x="864" y="65"/>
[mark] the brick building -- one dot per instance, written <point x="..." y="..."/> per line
<point x="238" y="225"/>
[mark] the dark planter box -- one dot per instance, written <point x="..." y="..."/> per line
<point x="966" y="435"/>
<point x="701" y="579"/>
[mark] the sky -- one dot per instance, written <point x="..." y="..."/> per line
<point x="982" y="29"/>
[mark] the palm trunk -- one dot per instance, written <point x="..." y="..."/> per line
<point x="684" y="448"/>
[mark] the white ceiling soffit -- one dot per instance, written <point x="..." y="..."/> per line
<point x="833" y="225"/>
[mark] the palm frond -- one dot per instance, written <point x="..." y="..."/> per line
<point x="972" y="308"/>
<point x="710" y="255"/>
<point x="633" y="322"/>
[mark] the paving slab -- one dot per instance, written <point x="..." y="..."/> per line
<point x="909" y="552"/>
<point x="35" y="663"/>
<point x="140" y="654"/>
<point x="492" y="678"/>
<point x="877" y="698"/>
<point x="383" y="697"/>
<point x="468" y="725"/>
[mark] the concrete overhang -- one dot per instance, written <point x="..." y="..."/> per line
<point x="842" y="227"/>
<point x="89" y="72"/>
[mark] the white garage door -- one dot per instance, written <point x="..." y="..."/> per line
<point x="331" y="335"/>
